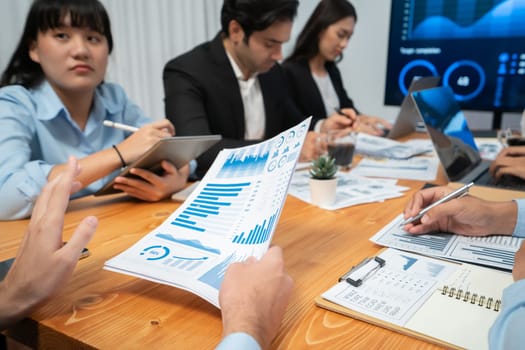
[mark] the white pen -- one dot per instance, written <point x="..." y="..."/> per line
<point x="120" y="126"/>
<point x="452" y="195"/>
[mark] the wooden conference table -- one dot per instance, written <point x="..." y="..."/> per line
<point x="107" y="310"/>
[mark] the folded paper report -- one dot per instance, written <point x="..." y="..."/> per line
<point x="230" y="216"/>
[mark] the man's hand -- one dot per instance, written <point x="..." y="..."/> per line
<point x="254" y="295"/>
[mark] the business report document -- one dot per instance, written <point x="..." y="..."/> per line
<point x="443" y="302"/>
<point x="493" y="251"/>
<point x="229" y="217"/>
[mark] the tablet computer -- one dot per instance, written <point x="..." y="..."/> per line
<point x="178" y="150"/>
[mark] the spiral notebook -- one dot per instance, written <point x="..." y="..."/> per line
<point x="446" y="303"/>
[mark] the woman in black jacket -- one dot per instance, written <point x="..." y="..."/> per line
<point x="313" y="77"/>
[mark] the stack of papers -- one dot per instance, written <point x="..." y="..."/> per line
<point x="416" y="168"/>
<point x="351" y="189"/>
<point x="382" y="147"/>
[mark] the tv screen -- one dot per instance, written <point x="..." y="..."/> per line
<point x="476" y="46"/>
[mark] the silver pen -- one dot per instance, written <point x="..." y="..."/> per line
<point x="120" y="126"/>
<point x="452" y="195"/>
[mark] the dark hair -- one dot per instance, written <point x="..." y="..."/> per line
<point x="256" y="15"/>
<point x="45" y="15"/>
<point x="325" y="14"/>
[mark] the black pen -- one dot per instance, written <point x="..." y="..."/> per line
<point x="456" y="194"/>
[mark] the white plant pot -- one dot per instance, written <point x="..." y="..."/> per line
<point x="322" y="192"/>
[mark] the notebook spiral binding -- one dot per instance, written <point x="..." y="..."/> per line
<point x="473" y="298"/>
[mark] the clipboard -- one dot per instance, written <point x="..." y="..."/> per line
<point x="178" y="150"/>
<point x="452" y="315"/>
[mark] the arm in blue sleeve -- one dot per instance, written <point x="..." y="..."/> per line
<point x="507" y="331"/>
<point x="519" y="230"/>
<point x="242" y="341"/>
<point x="21" y="179"/>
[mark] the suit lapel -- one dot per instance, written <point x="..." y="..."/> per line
<point x="229" y="85"/>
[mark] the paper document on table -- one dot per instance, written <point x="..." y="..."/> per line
<point x="416" y="168"/>
<point x="230" y="216"/>
<point x="447" y="303"/>
<point x="494" y="251"/>
<point x="489" y="148"/>
<point x="351" y="189"/>
<point x="383" y="147"/>
<point x="397" y="290"/>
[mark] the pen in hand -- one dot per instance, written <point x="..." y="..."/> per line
<point x="456" y="194"/>
<point x="340" y="112"/>
<point x="120" y="126"/>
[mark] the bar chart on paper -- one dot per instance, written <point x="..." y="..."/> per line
<point x="215" y="207"/>
<point x="495" y="251"/>
<point x="246" y="162"/>
<point x="230" y="216"/>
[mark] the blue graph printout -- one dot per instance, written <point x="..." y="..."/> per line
<point x="231" y="215"/>
<point x="494" y="251"/>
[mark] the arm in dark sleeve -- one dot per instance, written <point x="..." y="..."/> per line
<point x="344" y="100"/>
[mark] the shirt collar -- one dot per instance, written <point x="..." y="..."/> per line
<point x="50" y="106"/>
<point x="237" y="71"/>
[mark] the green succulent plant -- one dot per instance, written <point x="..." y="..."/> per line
<point x="323" y="168"/>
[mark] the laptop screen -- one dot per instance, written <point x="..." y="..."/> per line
<point x="448" y="130"/>
<point x="407" y="118"/>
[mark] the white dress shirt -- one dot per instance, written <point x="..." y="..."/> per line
<point x="253" y="103"/>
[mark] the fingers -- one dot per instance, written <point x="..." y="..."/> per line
<point x="55" y="196"/>
<point x="349" y="113"/>
<point x="81" y="237"/>
<point x="164" y="125"/>
<point x="423" y="198"/>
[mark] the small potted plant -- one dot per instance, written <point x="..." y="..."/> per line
<point x="323" y="182"/>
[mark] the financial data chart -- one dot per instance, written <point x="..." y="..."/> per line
<point x="477" y="47"/>
<point x="231" y="215"/>
<point x="495" y="251"/>
<point x="397" y="290"/>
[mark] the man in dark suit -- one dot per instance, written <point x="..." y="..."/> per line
<point x="233" y="85"/>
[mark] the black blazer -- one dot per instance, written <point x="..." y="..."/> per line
<point x="306" y="94"/>
<point x="202" y="96"/>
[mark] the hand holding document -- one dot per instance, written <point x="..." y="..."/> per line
<point x="230" y="216"/>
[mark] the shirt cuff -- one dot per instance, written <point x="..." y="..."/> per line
<point x="238" y="341"/>
<point x="519" y="230"/>
<point x="317" y="127"/>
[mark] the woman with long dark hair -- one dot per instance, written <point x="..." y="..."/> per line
<point x="314" y="79"/>
<point x="53" y="102"/>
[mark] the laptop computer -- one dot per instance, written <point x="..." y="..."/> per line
<point x="407" y="118"/>
<point x="453" y="140"/>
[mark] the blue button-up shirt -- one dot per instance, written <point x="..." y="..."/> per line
<point x="507" y="331"/>
<point x="37" y="132"/>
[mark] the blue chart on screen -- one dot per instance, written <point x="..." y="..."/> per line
<point x="259" y="234"/>
<point x="246" y="162"/>
<point x="215" y="276"/>
<point x="434" y="242"/>
<point x="448" y="19"/>
<point x="210" y="206"/>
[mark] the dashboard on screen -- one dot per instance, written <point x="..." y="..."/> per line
<point x="476" y="46"/>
